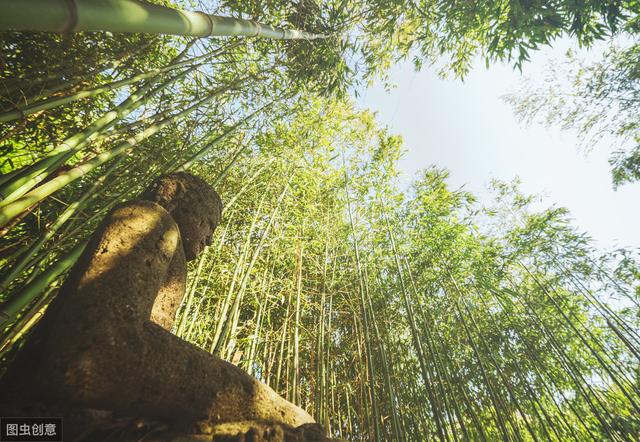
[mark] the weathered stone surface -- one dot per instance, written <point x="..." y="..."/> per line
<point x="104" y="426"/>
<point x="251" y="431"/>
<point x="194" y="206"/>
<point x="104" y="343"/>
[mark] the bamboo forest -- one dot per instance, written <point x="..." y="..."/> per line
<point x="386" y="310"/>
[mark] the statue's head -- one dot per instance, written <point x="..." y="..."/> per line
<point x="192" y="203"/>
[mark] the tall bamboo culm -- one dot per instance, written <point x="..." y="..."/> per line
<point x="131" y="16"/>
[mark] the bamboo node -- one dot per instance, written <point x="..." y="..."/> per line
<point x="209" y="20"/>
<point x="258" y="28"/>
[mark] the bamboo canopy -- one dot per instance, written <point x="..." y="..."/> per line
<point x="131" y="16"/>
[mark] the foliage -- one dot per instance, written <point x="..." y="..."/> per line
<point x="370" y="36"/>
<point x="601" y="99"/>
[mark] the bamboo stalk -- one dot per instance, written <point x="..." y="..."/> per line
<point x="233" y="129"/>
<point x="426" y="374"/>
<point x="366" y="326"/>
<point x="262" y="307"/>
<point x="594" y="402"/>
<point x="53" y="102"/>
<point x="223" y="319"/>
<point x="78" y="73"/>
<point x="26" y="322"/>
<point x="296" y="328"/>
<point x="130" y="16"/>
<point x="441" y="369"/>
<point x="31" y="291"/>
<point x="188" y="299"/>
<point x="482" y="343"/>
<point x="13" y="209"/>
<point x="71" y="209"/>
<point x="29" y="177"/>
<point x="228" y="325"/>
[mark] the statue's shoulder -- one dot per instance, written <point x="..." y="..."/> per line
<point x="137" y="217"/>
<point x="130" y="233"/>
<point x="139" y="209"/>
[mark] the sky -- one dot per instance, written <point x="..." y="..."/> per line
<point x="466" y="128"/>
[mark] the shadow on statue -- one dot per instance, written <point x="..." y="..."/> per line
<point x="104" y="343"/>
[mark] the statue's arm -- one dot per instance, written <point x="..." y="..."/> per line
<point x="183" y="381"/>
<point x="171" y="291"/>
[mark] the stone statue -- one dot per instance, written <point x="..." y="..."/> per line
<point x="105" y="342"/>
